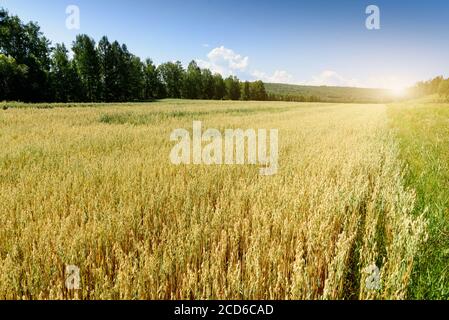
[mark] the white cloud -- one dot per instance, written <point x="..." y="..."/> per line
<point x="227" y="62"/>
<point x="332" y="78"/>
<point x="224" y="61"/>
<point x="215" y="68"/>
<point x="205" y="45"/>
<point x="279" y="76"/>
<point x="228" y="57"/>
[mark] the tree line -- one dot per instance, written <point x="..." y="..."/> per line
<point x="293" y="97"/>
<point x="31" y="70"/>
<point x="437" y="85"/>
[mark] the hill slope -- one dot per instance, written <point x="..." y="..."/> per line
<point x="331" y="94"/>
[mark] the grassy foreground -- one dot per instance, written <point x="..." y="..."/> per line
<point x="423" y="131"/>
<point x="94" y="187"/>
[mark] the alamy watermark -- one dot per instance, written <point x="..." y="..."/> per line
<point x="191" y="149"/>
<point x="73" y="20"/>
<point x="73" y="278"/>
<point x="372" y="282"/>
<point x="373" y="20"/>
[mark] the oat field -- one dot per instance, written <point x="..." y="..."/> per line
<point x="93" y="186"/>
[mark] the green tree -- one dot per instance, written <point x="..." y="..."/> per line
<point x="435" y="84"/>
<point x="208" y="84"/>
<point x="122" y="73"/>
<point x="27" y="45"/>
<point x="428" y="87"/>
<point x="108" y="69"/>
<point x="135" y="79"/>
<point x="232" y="88"/>
<point x="77" y="93"/>
<point x="12" y="78"/>
<point x="443" y="89"/>
<point x="153" y="86"/>
<point x="219" y="87"/>
<point x="88" y="64"/>
<point x="246" y="91"/>
<point x="64" y="78"/>
<point x="192" y="86"/>
<point x="258" y="92"/>
<point x="122" y="57"/>
<point x="172" y="75"/>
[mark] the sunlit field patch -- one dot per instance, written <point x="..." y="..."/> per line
<point x="94" y="187"/>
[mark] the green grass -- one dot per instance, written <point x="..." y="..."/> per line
<point x="423" y="131"/>
<point x="136" y="118"/>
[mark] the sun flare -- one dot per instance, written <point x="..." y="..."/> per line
<point x="398" y="91"/>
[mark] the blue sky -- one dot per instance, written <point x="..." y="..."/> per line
<point x="318" y="42"/>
